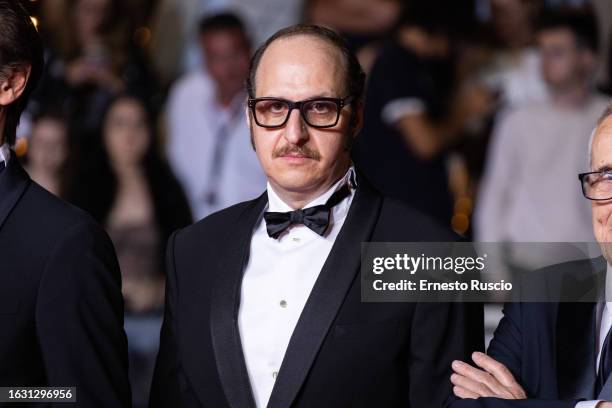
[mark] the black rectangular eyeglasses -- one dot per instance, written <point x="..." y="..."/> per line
<point x="316" y="112"/>
<point x="597" y="185"/>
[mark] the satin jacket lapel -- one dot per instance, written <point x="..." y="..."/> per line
<point x="327" y="296"/>
<point x="13" y="183"/>
<point x="606" y="391"/>
<point x="224" y="310"/>
<point x="576" y="334"/>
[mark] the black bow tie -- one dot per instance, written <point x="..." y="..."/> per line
<point x="316" y="218"/>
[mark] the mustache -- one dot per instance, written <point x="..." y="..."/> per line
<point x="303" y="150"/>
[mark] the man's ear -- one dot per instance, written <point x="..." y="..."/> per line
<point x="13" y="84"/>
<point x="249" y="121"/>
<point x="247" y="114"/>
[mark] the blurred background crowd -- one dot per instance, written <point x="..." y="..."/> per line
<point x="477" y="112"/>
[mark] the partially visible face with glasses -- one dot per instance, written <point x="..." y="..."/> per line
<point x="597" y="186"/>
<point x="300" y="116"/>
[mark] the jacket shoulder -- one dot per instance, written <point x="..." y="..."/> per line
<point x="400" y="222"/>
<point x="217" y="225"/>
<point x="52" y="213"/>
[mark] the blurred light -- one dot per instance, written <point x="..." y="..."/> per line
<point x="463" y="205"/>
<point x="21" y="146"/>
<point x="142" y="36"/>
<point x="34" y="21"/>
<point x="460" y="223"/>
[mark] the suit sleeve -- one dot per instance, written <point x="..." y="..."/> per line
<point x="165" y="389"/>
<point x="79" y="319"/>
<point x="441" y="333"/>
<point x="506" y="347"/>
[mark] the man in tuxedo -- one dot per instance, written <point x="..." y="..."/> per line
<point x="556" y="355"/>
<point x="263" y="300"/>
<point x="61" y="311"/>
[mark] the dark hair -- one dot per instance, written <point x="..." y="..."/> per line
<point x="56" y="115"/>
<point x="221" y="21"/>
<point x="582" y="24"/>
<point x="95" y="185"/>
<point x="355" y="77"/>
<point x="438" y="17"/>
<point x="53" y="113"/>
<point x="20" y="46"/>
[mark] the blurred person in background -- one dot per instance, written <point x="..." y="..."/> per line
<point x="60" y="290"/>
<point x="126" y="186"/>
<point x="90" y="58"/>
<point x="48" y="152"/>
<point x="527" y="192"/>
<point x="175" y="48"/>
<point x="514" y="69"/>
<point x="208" y="139"/>
<point x="364" y="23"/>
<point x="414" y="112"/>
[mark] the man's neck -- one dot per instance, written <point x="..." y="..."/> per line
<point x="225" y="99"/>
<point x="299" y="199"/>
<point x="572" y="97"/>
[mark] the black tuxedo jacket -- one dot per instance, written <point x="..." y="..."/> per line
<point x="61" y="310"/>
<point x="551" y="348"/>
<point x="343" y="353"/>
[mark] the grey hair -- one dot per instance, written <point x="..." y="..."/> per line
<point x="590" y="156"/>
<point x="605" y="115"/>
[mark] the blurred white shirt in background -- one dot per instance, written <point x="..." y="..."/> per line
<point x="196" y="125"/>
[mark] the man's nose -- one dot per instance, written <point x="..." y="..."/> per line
<point x="295" y="129"/>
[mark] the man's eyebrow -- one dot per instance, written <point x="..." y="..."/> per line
<point x="605" y="167"/>
<point x="320" y="95"/>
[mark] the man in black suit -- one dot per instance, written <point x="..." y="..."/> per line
<point x="263" y="298"/>
<point x="61" y="311"/>
<point x="555" y="354"/>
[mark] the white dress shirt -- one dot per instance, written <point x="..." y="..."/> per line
<point x="604" y="328"/>
<point x="277" y="282"/>
<point x="195" y="122"/>
<point x="5" y="154"/>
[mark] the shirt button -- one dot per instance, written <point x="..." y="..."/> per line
<point x="275" y="374"/>
<point x="283" y="304"/>
<point x="296" y="239"/>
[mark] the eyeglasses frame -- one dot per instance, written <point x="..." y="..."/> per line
<point x="582" y="176"/>
<point x="340" y="103"/>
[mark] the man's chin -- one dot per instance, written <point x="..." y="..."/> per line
<point x="606" y="251"/>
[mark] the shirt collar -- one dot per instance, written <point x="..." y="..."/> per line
<point x="231" y="111"/>
<point x="276" y="204"/>
<point x="5" y="154"/>
<point x="608" y="285"/>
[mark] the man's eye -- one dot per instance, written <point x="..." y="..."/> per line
<point x="276" y="107"/>
<point x="604" y="177"/>
<point x="320" y="107"/>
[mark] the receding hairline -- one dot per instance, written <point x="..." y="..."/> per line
<point x="602" y="123"/>
<point x="324" y="42"/>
